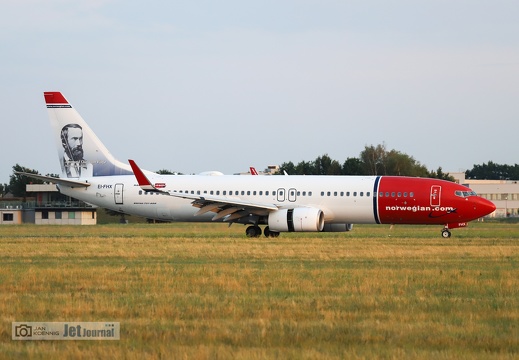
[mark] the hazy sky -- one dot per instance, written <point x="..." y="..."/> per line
<point x="223" y="85"/>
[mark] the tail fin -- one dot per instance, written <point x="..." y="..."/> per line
<point x="81" y="153"/>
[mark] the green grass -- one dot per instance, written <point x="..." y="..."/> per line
<point x="206" y="291"/>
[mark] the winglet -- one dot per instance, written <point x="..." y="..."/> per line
<point x="142" y="179"/>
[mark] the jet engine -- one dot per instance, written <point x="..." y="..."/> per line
<point x="298" y="219"/>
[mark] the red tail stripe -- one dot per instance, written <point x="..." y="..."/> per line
<point x="52" y="97"/>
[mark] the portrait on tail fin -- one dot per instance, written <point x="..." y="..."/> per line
<point x="72" y="142"/>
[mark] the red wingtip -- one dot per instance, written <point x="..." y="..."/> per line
<point x="54" y="97"/>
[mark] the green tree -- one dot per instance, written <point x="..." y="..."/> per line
<point x="352" y="166"/>
<point x="288" y="167"/>
<point x="305" y="168"/>
<point x="373" y="159"/>
<point x="324" y="165"/>
<point x="493" y="171"/>
<point x="165" y="172"/>
<point x="439" y="174"/>
<point x="18" y="183"/>
<point x="398" y="163"/>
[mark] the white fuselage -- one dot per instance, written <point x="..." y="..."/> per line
<point x="341" y="198"/>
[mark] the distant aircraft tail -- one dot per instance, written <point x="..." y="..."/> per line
<point x="81" y="153"/>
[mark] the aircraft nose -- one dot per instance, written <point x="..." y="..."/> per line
<point x="484" y="207"/>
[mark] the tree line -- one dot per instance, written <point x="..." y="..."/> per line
<point x="373" y="160"/>
<point x="493" y="171"/>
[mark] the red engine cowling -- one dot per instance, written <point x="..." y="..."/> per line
<point x="298" y="219"/>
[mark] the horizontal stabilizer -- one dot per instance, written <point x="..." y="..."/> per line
<point x="59" y="181"/>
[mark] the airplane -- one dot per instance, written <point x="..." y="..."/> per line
<point x="283" y="203"/>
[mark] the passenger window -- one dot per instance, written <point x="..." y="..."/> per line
<point x="354" y="193"/>
<point x="367" y="194"/>
<point x="399" y="194"/>
<point x="361" y="193"/>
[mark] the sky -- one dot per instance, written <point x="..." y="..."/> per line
<point x="193" y="86"/>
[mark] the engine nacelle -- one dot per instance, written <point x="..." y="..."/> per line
<point x="337" y="227"/>
<point x="298" y="219"/>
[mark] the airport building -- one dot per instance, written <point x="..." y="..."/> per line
<point x="45" y="205"/>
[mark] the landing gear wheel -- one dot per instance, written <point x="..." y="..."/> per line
<point x="269" y="233"/>
<point x="253" y="231"/>
<point x="446" y="233"/>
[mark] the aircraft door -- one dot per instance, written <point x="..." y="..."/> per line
<point x="281" y="194"/>
<point x="292" y="195"/>
<point x="436" y="191"/>
<point x="118" y="194"/>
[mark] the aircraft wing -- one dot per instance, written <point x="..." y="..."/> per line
<point x="59" y="181"/>
<point x="226" y="205"/>
<point x="229" y="209"/>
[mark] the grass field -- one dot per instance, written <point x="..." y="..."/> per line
<point x="204" y="291"/>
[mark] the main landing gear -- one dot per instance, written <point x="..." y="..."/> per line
<point x="255" y="231"/>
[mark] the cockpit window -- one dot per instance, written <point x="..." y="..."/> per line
<point x="465" y="193"/>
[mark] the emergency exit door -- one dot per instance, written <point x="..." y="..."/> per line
<point x="118" y="194"/>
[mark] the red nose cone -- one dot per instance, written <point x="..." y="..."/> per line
<point x="484" y="207"/>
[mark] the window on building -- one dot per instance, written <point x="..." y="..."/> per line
<point x="57" y="215"/>
<point x="44" y="215"/>
<point x="8" y="217"/>
<point x="71" y="214"/>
